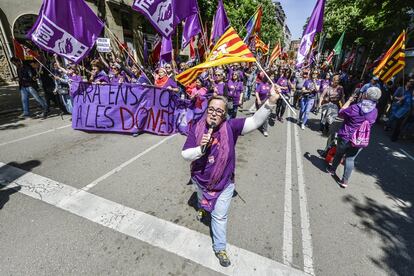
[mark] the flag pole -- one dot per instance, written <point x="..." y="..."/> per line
<point x="271" y="81"/>
<point x="44" y="66"/>
<point x="203" y="33"/>
<point x="123" y="48"/>
<point x="366" y="62"/>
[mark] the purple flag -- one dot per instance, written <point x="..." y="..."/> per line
<point x="220" y="23"/>
<point x="68" y="28"/>
<point x="166" y="50"/>
<point x="314" y="26"/>
<point x="165" y="14"/>
<point x="192" y="27"/>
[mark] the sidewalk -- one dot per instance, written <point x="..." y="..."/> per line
<point x="10" y="99"/>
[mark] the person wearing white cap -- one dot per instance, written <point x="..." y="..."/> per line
<point x="374" y="82"/>
<point x="355" y="131"/>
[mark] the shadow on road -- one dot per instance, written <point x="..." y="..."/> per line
<point x="8" y="175"/>
<point x="395" y="226"/>
<point x="393" y="173"/>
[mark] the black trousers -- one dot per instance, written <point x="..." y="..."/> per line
<point x="281" y="106"/>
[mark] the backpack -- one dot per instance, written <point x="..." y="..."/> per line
<point x="360" y="138"/>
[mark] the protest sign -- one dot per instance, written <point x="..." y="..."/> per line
<point x="132" y="108"/>
<point x="103" y="45"/>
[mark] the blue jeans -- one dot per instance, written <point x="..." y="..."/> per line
<point x="67" y="102"/>
<point x="248" y="91"/>
<point x="345" y="148"/>
<point x="306" y="105"/>
<point x="219" y="216"/>
<point x="24" y="92"/>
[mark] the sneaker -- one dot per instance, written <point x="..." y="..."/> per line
<point x="23" y="116"/>
<point x="343" y="183"/>
<point x="44" y="114"/>
<point x="265" y="133"/>
<point x="201" y="213"/>
<point x="330" y="170"/>
<point x="223" y="258"/>
<point x="302" y="126"/>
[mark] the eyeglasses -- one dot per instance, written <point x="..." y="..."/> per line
<point x="218" y="111"/>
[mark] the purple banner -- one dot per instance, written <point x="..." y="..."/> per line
<point x="132" y="108"/>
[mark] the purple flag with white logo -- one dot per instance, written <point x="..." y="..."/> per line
<point x="166" y="50"/>
<point x="314" y="26"/>
<point x="165" y="14"/>
<point x="192" y="27"/>
<point x="68" y="28"/>
<point x="221" y="22"/>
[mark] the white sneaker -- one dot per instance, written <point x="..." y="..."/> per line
<point x="302" y="126"/>
<point x="265" y="133"/>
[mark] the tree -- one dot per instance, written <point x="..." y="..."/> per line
<point x="366" y="21"/>
<point x="240" y="11"/>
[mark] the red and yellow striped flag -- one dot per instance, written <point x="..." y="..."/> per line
<point x="277" y="51"/>
<point x="228" y="49"/>
<point x="261" y="46"/>
<point x="393" y="61"/>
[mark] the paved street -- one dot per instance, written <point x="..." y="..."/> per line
<point x="78" y="203"/>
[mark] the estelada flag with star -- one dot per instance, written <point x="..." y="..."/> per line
<point x="228" y="49"/>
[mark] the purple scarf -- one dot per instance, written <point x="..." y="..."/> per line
<point x="223" y="146"/>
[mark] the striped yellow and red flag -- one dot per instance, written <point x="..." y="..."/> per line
<point x="228" y="49"/>
<point x="393" y="61"/>
<point x="277" y="51"/>
<point x="261" y="46"/>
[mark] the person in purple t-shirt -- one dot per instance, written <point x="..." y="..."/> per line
<point x="310" y="88"/>
<point x="354" y="115"/>
<point x="117" y="76"/>
<point x="210" y="146"/>
<point x="219" y="86"/>
<point x="262" y="94"/>
<point x="283" y="82"/>
<point x="235" y="93"/>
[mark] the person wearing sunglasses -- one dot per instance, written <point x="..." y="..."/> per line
<point x="219" y="85"/>
<point x="116" y="77"/>
<point x="169" y="69"/>
<point x="235" y="93"/>
<point x="310" y="88"/>
<point x="210" y="146"/>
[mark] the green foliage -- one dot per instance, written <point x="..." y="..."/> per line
<point x="366" y="21"/>
<point x="240" y="11"/>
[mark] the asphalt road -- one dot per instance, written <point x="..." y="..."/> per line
<point x="78" y="203"/>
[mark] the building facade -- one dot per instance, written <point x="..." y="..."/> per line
<point x="281" y="19"/>
<point x="18" y="16"/>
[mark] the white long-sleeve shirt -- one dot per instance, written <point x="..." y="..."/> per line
<point x="251" y="124"/>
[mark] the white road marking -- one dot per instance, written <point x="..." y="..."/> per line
<point x="166" y="235"/>
<point x="287" y="218"/>
<point x="123" y="165"/>
<point x="34" y="135"/>
<point x="407" y="154"/>
<point x="304" y="215"/>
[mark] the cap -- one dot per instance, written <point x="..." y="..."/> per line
<point x="375" y="78"/>
<point x="373" y="94"/>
